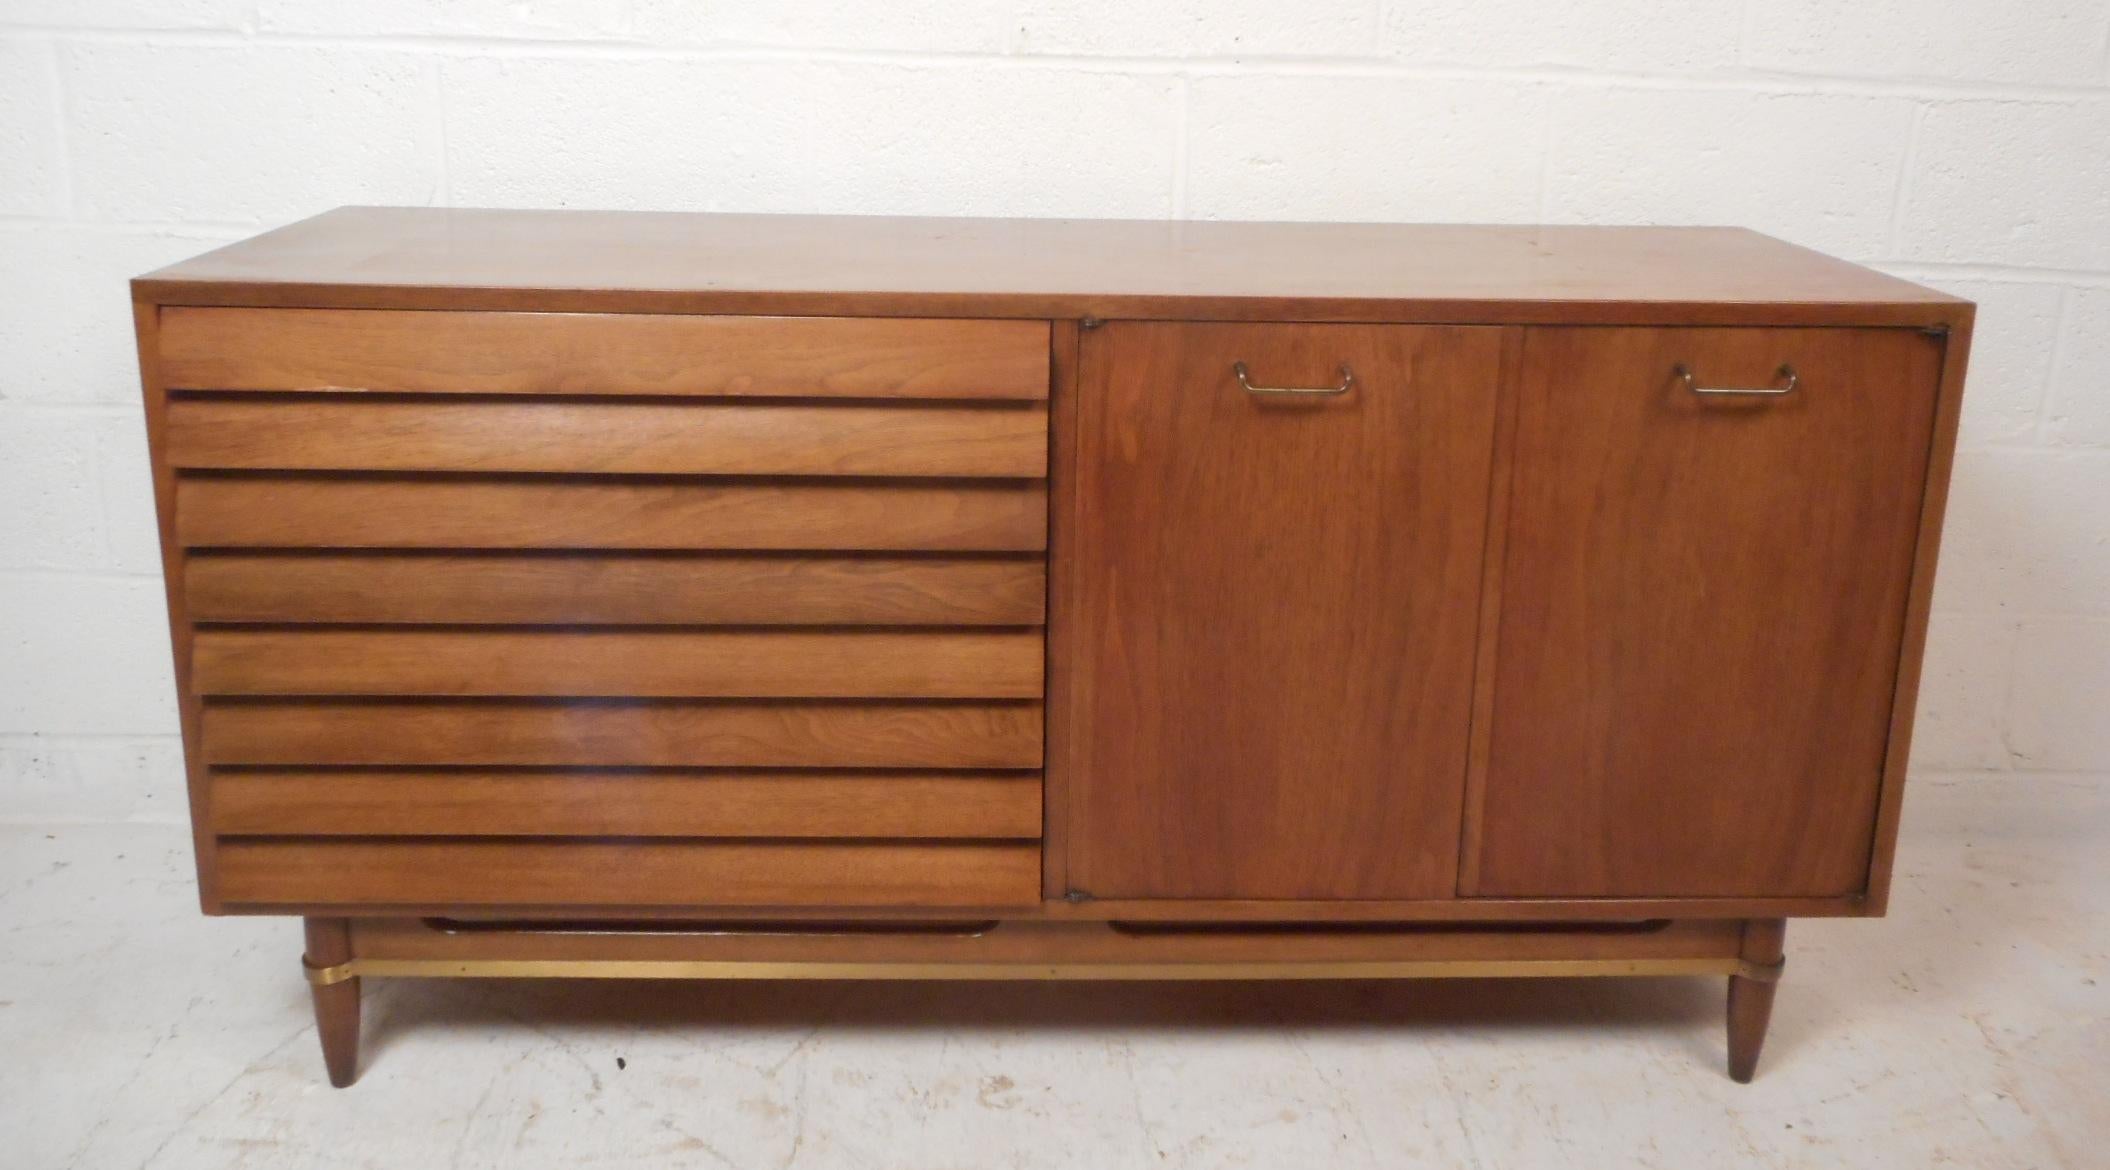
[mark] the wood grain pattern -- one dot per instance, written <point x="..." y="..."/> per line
<point x="659" y="262"/>
<point x="535" y="353"/>
<point x="1702" y="612"/>
<point x="608" y="733"/>
<point x="934" y="664"/>
<point x="315" y="871"/>
<point x="615" y="589"/>
<point x="388" y="512"/>
<point x="320" y="433"/>
<point x="1275" y="609"/>
<point x="1487" y="636"/>
<point x="683" y="803"/>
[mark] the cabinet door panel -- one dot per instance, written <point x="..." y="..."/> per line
<point x="1703" y="599"/>
<point x="1274" y="608"/>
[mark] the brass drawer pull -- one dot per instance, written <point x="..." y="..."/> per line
<point x="1238" y="371"/>
<point x="1684" y="373"/>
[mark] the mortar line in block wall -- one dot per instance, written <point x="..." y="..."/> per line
<point x="1972" y="775"/>
<point x="209" y="232"/>
<point x="1738" y="80"/>
<point x="107" y="408"/>
<point x="589" y="48"/>
<point x="142" y="819"/>
<point x="116" y="494"/>
<point x="1544" y="203"/>
<point x="1182" y="105"/>
<point x="55" y="574"/>
<point x="434" y="74"/>
<point x="1901" y="192"/>
<point x="2004" y="726"/>
<point x="62" y="104"/>
<point x="1934" y="270"/>
<point x="2063" y="323"/>
<point x="1764" y="81"/>
<point x="2031" y="447"/>
<point x="64" y="740"/>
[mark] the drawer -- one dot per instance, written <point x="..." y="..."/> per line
<point x="707" y="437"/>
<point x="519" y="609"/>
<point x="688" y="802"/>
<point x="615" y="588"/>
<point x="622" y="733"/>
<point x="393" y="873"/>
<point x="919" y="664"/>
<point x="593" y="354"/>
<point x="313" y="511"/>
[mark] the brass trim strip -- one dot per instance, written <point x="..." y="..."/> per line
<point x="970" y="970"/>
<point x="325" y="976"/>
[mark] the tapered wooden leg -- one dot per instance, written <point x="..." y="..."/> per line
<point x="1751" y="999"/>
<point x="336" y="1004"/>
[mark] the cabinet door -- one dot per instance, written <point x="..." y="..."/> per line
<point x="1274" y="601"/>
<point x="1702" y="604"/>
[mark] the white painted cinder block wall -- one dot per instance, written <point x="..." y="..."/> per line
<point x="1965" y="143"/>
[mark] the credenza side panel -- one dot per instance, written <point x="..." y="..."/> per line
<point x="1702" y="610"/>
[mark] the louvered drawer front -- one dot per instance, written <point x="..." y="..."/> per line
<point x="538" y="610"/>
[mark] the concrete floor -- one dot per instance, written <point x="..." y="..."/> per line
<point x="1971" y="1028"/>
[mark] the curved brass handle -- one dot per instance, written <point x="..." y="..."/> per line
<point x="1238" y="371"/>
<point x="1684" y="373"/>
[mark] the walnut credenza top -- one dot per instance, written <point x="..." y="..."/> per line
<point x="661" y="262"/>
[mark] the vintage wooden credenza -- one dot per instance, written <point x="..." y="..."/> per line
<point x="642" y="595"/>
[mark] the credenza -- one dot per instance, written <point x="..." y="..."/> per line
<point x="641" y="595"/>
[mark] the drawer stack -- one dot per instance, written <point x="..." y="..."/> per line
<point x="519" y="609"/>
